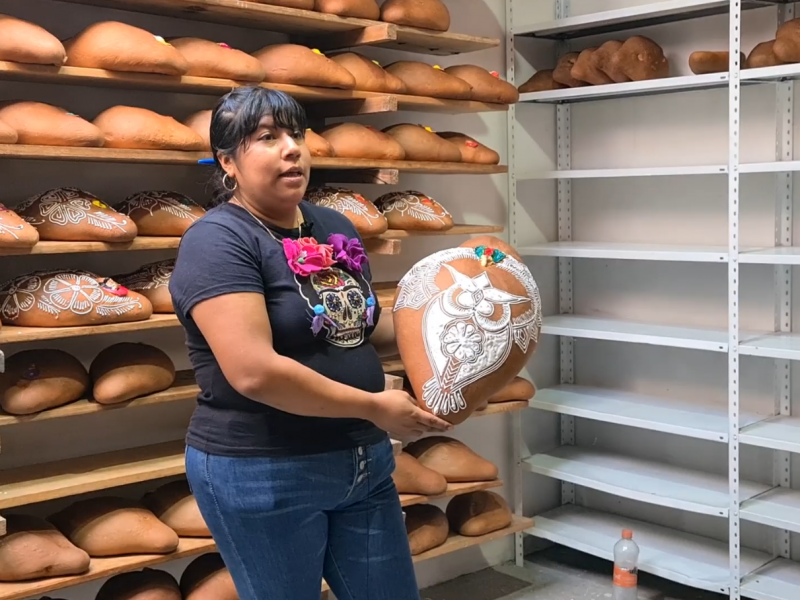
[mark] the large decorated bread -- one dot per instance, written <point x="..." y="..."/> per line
<point x="467" y="320"/>
<point x="8" y="135"/>
<point x="472" y="151"/>
<point x="161" y="213"/>
<point x="152" y="282"/>
<point x="37" y="380"/>
<point x="763" y="55"/>
<point x="422" y="79"/>
<point x="369" y="75"/>
<point x="15" y="232"/>
<point x="211" y="59"/>
<point x="111" y="526"/>
<point x="318" y="146"/>
<point x="128" y="370"/>
<point x="425" y="14"/>
<point x="478" y="513"/>
<point x="116" y="46"/>
<point x="299" y="65"/>
<point x="586" y="69"/>
<point x="366" y="218"/>
<point x="139" y="128"/>
<point x="426" y="526"/>
<point x="148" y="584"/>
<point x="420" y="143"/>
<point x="353" y="140"/>
<point x="640" y="59"/>
<point x="787" y="42"/>
<point x="453" y="459"/>
<point x="360" y="9"/>
<point x="40" y="124"/>
<point x="486" y="86"/>
<point x="69" y="299"/>
<point x="200" y="123"/>
<point x="541" y="81"/>
<point x="33" y="548"/>
<point x="73" y="215"/>
<point x="410" y="477"/>
<point x="174" y="504"/>
<point x="207" y="578"/>
<point x="414" y="211"/>
<point x="24" y="42"/>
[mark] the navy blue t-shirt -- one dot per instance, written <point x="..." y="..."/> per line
<point x="228" y="251"/>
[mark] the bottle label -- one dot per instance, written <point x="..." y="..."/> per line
<point x="625" y="578"/>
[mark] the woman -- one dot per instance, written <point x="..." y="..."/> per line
<point x="287" y="452"/>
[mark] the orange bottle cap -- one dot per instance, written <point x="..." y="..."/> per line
<point x="627" y="534"/>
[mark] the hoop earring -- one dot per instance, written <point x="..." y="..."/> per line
<point x="225" y="179"/>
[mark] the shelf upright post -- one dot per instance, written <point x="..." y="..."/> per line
<point x="567" y="344"/>
<point x="784" y="151"/>
<point x="516" y="416"/>
<point x="734" y="117"/>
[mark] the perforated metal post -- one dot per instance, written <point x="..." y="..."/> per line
<point x="734" y="112"/>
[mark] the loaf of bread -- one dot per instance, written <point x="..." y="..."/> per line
<point x="207" y="578"/>
<point x="42" y="124"/>
<point x="116" y="46"/>
<point x="410" y="477"/>
<point x="763" y="55"/>
<point x="161" y="213"/>
<point x="426" y="526"/>
<point x="787" y="42"/>
<point x="359" y="9"/>
<point x="367" y="219"/>
<point x="353" y="140"/>
<point x="139" y="128"/>
<point x="641" y="59"/>
<point x="298" y="65"/>
<point x="24" y="42"/>
<point x="37" y="380"/>
<point x="210" y="59"/>
<point x="126" y="370"/>
<point x="369" y="75"/>
<point x="301" y="4"/>
<point x="425" y="14"/>
<point x="453" y="459"/>
<point x="563" y="71"/>
<point x="472" y="151"/>
<point x="704" y="62"/>
<point x="16" y="232"/>
<point x="174" y="504"/>
<point x="64" y="298"/>
<point x="601" y="59"/>
<point x="152" y="282"/>
<point x="148" y="584"/>
<point x="414" y="211"/>
<point x="478" y="513"/>
<point x="541" y="81"/>
<point x="200" y="123"/>
<point x="585" y="69"/>
<point x="422" y="79"/>
<point x="486" y="86"/>
<point x="73" y="215"/>
<point x="422" y="144"/>
<point x="318" y="145"/>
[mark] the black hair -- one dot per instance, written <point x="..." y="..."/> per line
<point x="237" y="116"/>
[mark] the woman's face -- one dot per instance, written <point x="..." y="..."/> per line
<point x="272" y="169"/>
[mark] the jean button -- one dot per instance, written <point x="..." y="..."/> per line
<point x="362" y="464"/>
<point x="360" y="451"/>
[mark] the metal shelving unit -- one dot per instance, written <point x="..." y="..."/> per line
<point x="702" y="562"/>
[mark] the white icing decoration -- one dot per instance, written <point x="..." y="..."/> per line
<point x="341" y="201"/>
<point x="9" y="229"/>
<point x="411" y="203"/>
<point x="69" y="206"/>
<point x="150" y="276"/>
<point x="151" y="202"/>
<point x="18" y="296"/>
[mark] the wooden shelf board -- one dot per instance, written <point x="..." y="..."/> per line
<point x="453" y="489"/>
<point x="343" y="32"/>
<point x="458" y="542"/>
<point x="401" y="234"/>
<point x="408" y="166"/>
<point x="16" y="335"/>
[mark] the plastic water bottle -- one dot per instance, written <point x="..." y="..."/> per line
<point x="626" y="570"/>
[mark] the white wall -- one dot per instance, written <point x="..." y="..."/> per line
<point x="678" y="129"/>
<point x="476" y="200"/>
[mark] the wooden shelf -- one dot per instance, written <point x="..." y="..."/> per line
<point x="325" y="102"/>
<point x="16" y="335"/>
<point x="401" y="234"/>
<point x="328" y="32"/>
<point x="453" y="489"/>
<point x="459" y="542"/>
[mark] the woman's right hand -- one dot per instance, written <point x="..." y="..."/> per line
<point x="397" y="414"/>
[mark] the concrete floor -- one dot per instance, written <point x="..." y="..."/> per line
<point x="556" y="574"/>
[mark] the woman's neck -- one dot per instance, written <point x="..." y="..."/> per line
<point x="290" y="218"/>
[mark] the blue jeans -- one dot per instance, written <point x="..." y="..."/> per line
<point x="281" y="524"/>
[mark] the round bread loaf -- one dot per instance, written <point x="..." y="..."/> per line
<point x="116" y="46"/>
<point x="425" y="14"/>
<point x="298" y="65"/>
<point x="563" y="71"/>
<point x="763" y="55"/>
<point x="420" y="143"/>
<point x="148" y="584"/>
<point x="640" y="59"/>
<point x="453" y="459"/>
<point x="174" y="504"/>
<point x="160" y="212"/>
<point x="126" y="370"/>
<point x="200" y="123"/>
<point x="69" y="299"/>
<point x="541" y="81"/>
<point x="369" y="75"/>
<point x="518" y="389"/>
<point x="359" y="9"/>
<point x="139" y="128"/>
<point x="472" y="151"/>
<point x="207" y="578"/>
<point x="36" y="380"/>
<point x="422" y="79"/>
<point x="40" y="124"/>
<point x="301" y="4"/>
<point x="24" y="42"/>
<point x="410" y="477"/>
<point x="33" y="548"/>
<point x="787" y="42"/>
<point x="210" y="59"/>
<point x="73" y="215"/>
<point x="478" y="513"/>
<point x="585" y="69"/>
<point x="318" y="145"/>
<point x="8" y="135"/>
<point x="601" y="59"/>
<point x="152" y="282"/>
<point x="486" y="86"/>
<point x="703" y="62"/>
<point x="367" y="219"/>
<point x="353" y="140"/>
<point x="111" y="526"/>
<point x="15" y="232"/>
<point x="426" y="526"/>
<point x="414" y="211"/>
